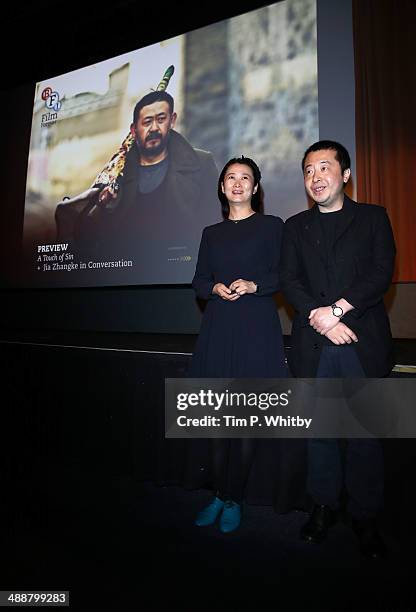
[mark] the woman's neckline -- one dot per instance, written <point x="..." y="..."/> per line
<point x="243" y="218"/>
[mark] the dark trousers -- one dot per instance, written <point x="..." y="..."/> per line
<point x="361" y="471"/>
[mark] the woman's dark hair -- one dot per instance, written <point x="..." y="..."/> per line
<point x="257" y="198"/>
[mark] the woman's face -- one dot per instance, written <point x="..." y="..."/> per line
<point x="238" y="185"/>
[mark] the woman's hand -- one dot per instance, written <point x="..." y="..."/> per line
<point x="235" y="290"/>
<point x="224" y="292"/>
<point x="241" y="287"/>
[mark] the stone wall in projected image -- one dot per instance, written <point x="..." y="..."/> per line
<point x="206" y="90"/>
<point x="252" y="86"/>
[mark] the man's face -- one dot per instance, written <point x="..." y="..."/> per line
<point x="324" y="181"/>
<point x="151" y="131"/>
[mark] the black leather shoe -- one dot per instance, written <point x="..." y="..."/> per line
<point x="316" y="529"/>
<point x="370" y="542"/>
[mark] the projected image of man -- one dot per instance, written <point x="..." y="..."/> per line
<point x="155" y="209"/>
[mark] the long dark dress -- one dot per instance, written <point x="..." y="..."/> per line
<point x="242" y="338"/>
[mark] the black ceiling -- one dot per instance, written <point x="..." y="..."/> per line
<point x="41" y="40"/>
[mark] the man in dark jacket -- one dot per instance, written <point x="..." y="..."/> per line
<point x="336" y="265"/>
<point x="166" y="194"/>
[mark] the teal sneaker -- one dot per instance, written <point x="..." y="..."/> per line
<point x="230" y="517"/>
<point x="209" y="515"/>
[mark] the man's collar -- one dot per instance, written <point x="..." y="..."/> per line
<point x="348" y="206"/>
<point x="182" y="155"/>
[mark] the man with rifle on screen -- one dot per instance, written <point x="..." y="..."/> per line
<point x="153" y="196"/>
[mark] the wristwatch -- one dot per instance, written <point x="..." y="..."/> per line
<point x="337" y="311"/>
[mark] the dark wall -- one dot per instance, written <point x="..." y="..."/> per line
<point x="140" y="309"/>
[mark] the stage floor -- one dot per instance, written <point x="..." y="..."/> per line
<point x="179" y="344"/>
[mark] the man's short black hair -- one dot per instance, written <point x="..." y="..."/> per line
<point x="342" y="156"/>
<point x="151" y="98"/>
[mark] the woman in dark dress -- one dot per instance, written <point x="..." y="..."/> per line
<point x="240" y="334"/>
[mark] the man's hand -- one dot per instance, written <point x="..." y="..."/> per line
<point x="242" y="287"/>
<point x="341" y="334"/>
<point x="322" y="319"/>
<point x="107" y="194"/>
<point x="224" y="292"/>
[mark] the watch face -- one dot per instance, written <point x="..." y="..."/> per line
<point x="337" y="310"/>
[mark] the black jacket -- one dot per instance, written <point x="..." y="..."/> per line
<point x="190" y="189"/>
<point x="364" y="252"/>
<point x="191" y="181"/>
